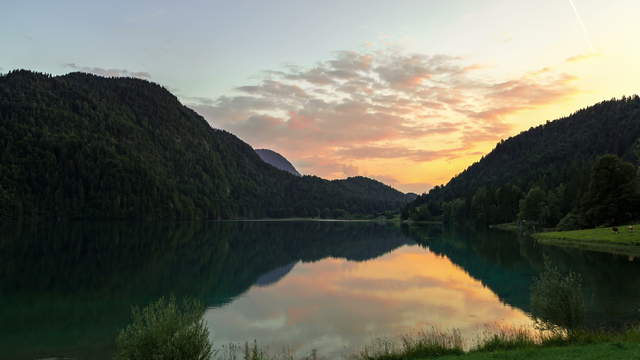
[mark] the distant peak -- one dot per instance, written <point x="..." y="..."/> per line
<point x="276" y="160"/>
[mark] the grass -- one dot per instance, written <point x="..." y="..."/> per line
<point x="610" y="351"/>
<point x="624" y="242"/>
<point x="424" y="222"/>
<point x="494" y="343"/>
<point x="510" y="343"/>
<point x="426" y="344"/>
<point x="512" y="227"/>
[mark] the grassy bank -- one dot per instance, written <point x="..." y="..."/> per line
<point x="510" y="343"/>
<point x="511" y="227"/>
<point x="623" y="242"/>
<point x="610" y="350"/>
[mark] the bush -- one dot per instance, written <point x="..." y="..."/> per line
<point x="165" y="330"/>
<point x="556" y="300"/>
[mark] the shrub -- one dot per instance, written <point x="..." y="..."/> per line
<point x="556" y="300"/>
<point x="165" y="330"/>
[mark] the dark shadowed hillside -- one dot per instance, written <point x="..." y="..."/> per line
<point x="85" y="146"/>
<point x="551" y="166"/>
<point x="276" y="160"/>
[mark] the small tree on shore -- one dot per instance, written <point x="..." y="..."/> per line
<point x="165" y="330"/>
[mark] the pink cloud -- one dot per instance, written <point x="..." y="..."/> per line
<point x="337" y="113"/>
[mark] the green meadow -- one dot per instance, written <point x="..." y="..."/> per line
<point x="625" y="241"/>
<point x="610" y="351"/>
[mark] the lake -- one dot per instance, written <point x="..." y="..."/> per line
<point x="332" y="287"/>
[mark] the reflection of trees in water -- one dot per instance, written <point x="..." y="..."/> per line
<point x="507" y="265"/>
<point x="72" y="286"/>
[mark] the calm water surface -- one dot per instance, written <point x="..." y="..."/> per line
<point x="65" y="290"/>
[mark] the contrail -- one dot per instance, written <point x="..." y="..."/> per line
<point x="587" y="39"/>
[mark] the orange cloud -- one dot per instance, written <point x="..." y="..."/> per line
<point x="343" y="115"/>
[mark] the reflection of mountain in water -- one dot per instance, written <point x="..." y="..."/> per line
<point x="273" y="276"/>
<point x="507" y="265"/>
<point x="76" y="283"/>
<point x="70" y="287"/>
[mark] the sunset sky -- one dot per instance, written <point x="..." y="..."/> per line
<point x="408" y="92"/>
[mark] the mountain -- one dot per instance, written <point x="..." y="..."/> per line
<point x="556" y="158"/>
<point x="410" y="196"/>
<point x="81" y="146"/>
<point x="276" y="160"/>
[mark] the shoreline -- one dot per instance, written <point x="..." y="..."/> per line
<point x="624" y="241"/>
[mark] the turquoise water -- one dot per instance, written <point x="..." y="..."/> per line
<point x="333" y="287"/>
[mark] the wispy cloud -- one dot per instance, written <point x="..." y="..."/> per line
<point x="359" y="106"/>
<point x="394" y="152"/>
<point x="108" y="72"/>
<point x="581" y="57"/>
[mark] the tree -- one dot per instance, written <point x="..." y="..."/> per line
<point x="455" y="211"/>
<point x="636" y="150"/>
<point x="533" y="206"/>
<point x="550" y="155"/>
<point x="612" y="197"/>
<point x="421" y="213"/>
<point x="507" y="198"/>
<point x="482" y="205"/>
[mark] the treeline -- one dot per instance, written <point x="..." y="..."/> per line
<point x="84" y="146"/>
<point x="576" y="172"/>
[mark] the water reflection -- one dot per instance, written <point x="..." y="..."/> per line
<point x="337" y="306"/>
<point x="66" y="289"/>
<point x="507" y="265"/>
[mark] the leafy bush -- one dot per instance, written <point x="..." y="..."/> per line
<point x="165" y="330"/>
<point x="556" y="300"/>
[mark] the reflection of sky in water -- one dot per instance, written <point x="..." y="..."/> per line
<point x="335" y="305"/>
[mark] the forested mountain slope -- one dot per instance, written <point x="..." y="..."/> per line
<point x="557" y="158"/>
<point x="84" y="146"/>
<point x="276" y="160"/>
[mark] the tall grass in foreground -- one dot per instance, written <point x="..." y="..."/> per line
<point x="426" y="344"/>
<point x="507" y="338"/>
<point x="435" y="343"/>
